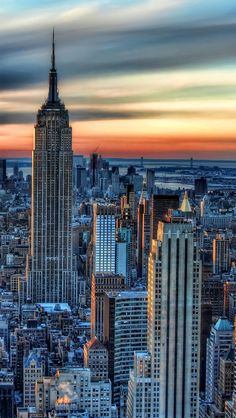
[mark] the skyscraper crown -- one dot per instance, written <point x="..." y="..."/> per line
<point x="53" y="97"/>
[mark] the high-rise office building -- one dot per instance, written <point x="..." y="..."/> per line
<point x="32" y="371"/>
<point x="221" y="259"/>
<point x="81" y="178"/>
<point x="160" y="206"/>
<point x="174" y="283"/>
<point x="219" y="343"/>
<point x="125" y="332"/>
<point x="174" y="319"/>
<point x="52" y="275"/>
<point x="150" y="179"/>
<point x="104" y="238"/>
<point x="93" y="169"/>
<point x="143" y="234"/>
<point x="101" y="283"/>
<point x="139" y="387"/>
<point x="200" y="187"/>
<point x="123" y="253"/>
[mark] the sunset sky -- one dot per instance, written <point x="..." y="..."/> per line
<point x="155" y="78"/>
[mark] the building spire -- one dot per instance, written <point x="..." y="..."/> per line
<point x="53" y="50"/>
<point x="53" y="92"/>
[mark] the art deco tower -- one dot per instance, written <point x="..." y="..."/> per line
<point x="51" y="269"/>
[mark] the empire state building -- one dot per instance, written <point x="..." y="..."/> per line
<point x="51" y="271"/>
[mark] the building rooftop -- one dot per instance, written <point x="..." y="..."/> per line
<point x="127" y="294"/>
<point x="94" y="344"/>
<point x="223" y="324"/>
<point x="54" y="307"/>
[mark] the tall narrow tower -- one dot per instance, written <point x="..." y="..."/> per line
<point x="166" y="385"/>
<point x="51" y="269"/>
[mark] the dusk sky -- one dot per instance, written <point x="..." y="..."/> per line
<point x="155" y="78"/>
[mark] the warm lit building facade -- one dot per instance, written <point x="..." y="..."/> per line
<point x="174" y="283"/>
<point x="51" y="267"/>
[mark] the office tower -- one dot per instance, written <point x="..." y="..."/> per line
<point x="102" y="282"/>
<point x="4" y="330"/>
<point x="139" y="387"/>
<point x="125" y="331"/>
<point x="160" y="206"/>
<point x="123" y="253"/>
<point x="93" y="169"/>
<point x="200" y="187"/>
<point x="32" y="371"/>
<point x="175" y="277"/>
<point x="96" y="359"/>
<point x="219" y="343"/>
<point x="213" y="293"/>
<point x="3" y="170"/>
<point x="51" y="269"/>
<point x="206" y="322"/>
<point x="81" y="178"/>
<point x="231" y="405"/>
<point x="221" y="259"/>
<point x="104" y="238"/>
<point x="129" y="221"/>
<point x="115" y="181"/>
<point x="150" y="179"/>
<point x="229" y="293"/>
<point x="27" y="339"/>
<point x="174" y="285"/>
<point x="143" y="234"/>
<point x="225" y="383"/>
<point x="4" y="356"/>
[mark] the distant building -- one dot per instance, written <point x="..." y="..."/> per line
<point x="200" y="187"/>
<point x="143" y="234"/>
<point x="104" y="238"/>
<point x="123" y="253"/>
<point x="81" y="178"/>
<point x="160" y="206"/>
<point x="150" y="180"/>
<point x="221" y="259"/>
<point x="3" y="170"/>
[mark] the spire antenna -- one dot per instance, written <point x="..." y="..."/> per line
<point x="53" y="50"/>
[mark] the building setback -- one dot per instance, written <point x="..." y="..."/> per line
<point x="51" y="269"/>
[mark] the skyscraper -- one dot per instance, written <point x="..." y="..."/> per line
<point x="221" y="258"/>
<point x="160" y="206"/>
<point x="125" y="332"/>
<point x="104" y="238"/>
<point x="219" y="343"/>
<point x="51" y="269"/>
<point x="173" y="326"/>
<point x="101" y="283"/>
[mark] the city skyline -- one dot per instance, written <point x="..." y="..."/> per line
<point x="158" y="77"/>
